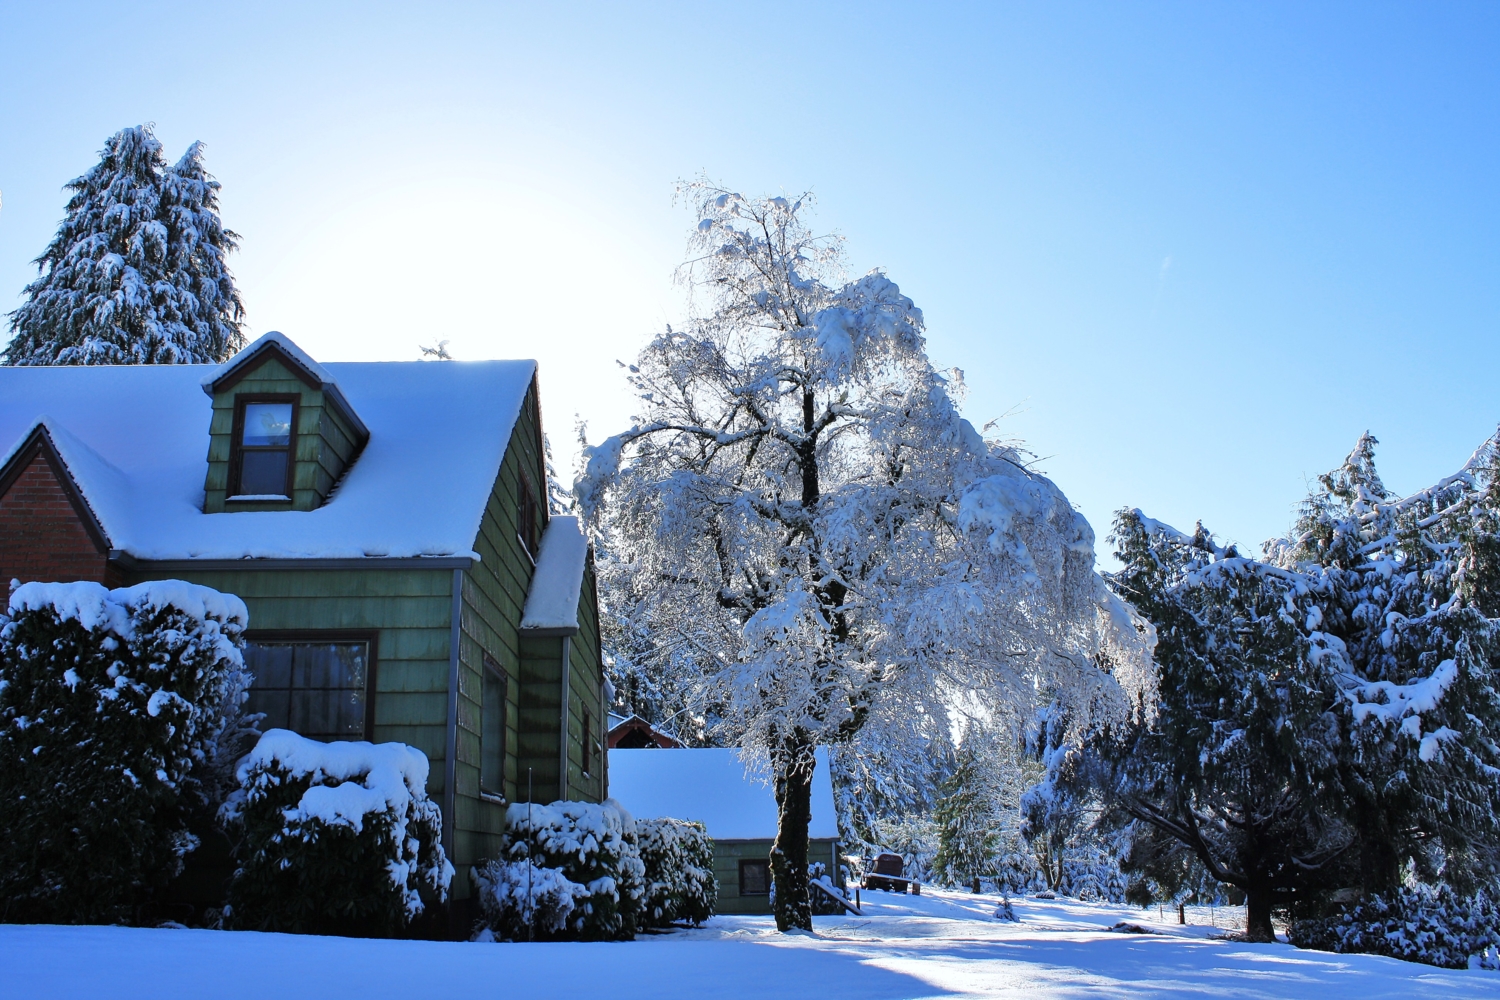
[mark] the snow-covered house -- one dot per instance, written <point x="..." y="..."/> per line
<point x="385" y="524"/>
<point x="734" y="802"/>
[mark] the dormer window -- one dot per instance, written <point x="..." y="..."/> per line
<point x="260" y="465"/>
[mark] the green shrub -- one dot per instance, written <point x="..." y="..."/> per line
<point x="679" y="861"/>
<point x="592" y="845"/>
<point x="333" y="838"/>
<point x="112" y="706"/>
<point x="1429" y="924"/>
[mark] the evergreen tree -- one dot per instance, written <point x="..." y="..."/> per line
<point x="968" y="834"/>
<point x="1327" y="715"/>
<point x="1402" y="590"/>
<point x="136" y="273"/>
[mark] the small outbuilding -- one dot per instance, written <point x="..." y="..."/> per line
<point x="735" y="803"/>
<point x="635" y="733"/>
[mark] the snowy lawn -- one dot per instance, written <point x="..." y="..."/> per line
<point x="938" y="945"/>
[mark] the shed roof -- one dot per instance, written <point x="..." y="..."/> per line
<point x="714" y="787"/>
<point x="552" y="601"/>
<point x="135" y="439"/>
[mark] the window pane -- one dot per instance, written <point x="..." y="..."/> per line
<point x="263" y="473"/>
<point x="314" y="689"/>
<point x="267" y="425"/>
<point x="755" y="878"/>
<point x="492" y="735"/>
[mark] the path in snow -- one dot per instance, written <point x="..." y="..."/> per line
<point x="939" y="945"/>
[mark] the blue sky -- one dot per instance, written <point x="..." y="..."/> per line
<point x="1193" y="249"/>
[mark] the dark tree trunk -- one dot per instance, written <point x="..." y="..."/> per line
<point x="794" y="771"/>
<point x="1258" y="925"/>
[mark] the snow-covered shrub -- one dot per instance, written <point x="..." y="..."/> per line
<point x="333" y="838"/>
<point x="1017" y="874"/>
<point x="112" y="705"/>
<point x="678" y="857"/>
<point x="518" y="900"/>
<point x="592" y="845"/>
<point x="1093" y="875"/>
<point x="1428" y="924"/>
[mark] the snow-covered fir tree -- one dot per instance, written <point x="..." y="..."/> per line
<point x="967" y="819"/>
<point x="1327" y="715"/>
<point x="813" y="529"/>
<point x="137" y="272"/>
<point x="1407" y="591"/>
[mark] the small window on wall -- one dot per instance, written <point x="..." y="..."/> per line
<point x="260" y="461"/>
<point x="755" y="878"/>
<point x="492" y="729"/>
<point x="588" y="743"/>
<point x="315" y="686"/>
<point x="528" y="519"/>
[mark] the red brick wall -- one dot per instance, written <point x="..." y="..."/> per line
<point x="41" y="537"/>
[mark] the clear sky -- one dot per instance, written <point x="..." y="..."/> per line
<point x="1193" y="249"/>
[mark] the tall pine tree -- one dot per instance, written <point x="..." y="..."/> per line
<point x="136" y="273"/>
<point x="968" y="827"/>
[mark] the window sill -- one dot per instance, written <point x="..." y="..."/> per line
<point x="259" y="498"/>
<point x="493" y="799"/>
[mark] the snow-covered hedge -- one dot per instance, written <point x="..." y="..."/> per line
<point x="679" y="860"/>
<point x="519" y="900"/>
<point x="112" y="706"/>
<point x="589" y="845"/>
<point x="1428" y="924"/>
<point x="333" y="838"/>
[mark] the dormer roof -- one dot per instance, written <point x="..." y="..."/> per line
<point x="279" y="346"/>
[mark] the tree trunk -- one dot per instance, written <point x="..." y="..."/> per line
<point x="1258" y="925"/>
<point x="794" y="771"/>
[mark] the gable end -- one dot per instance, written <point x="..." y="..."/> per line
<point x="47" y="529"/>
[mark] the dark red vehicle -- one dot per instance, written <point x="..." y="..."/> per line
<point x="887" y="874"/>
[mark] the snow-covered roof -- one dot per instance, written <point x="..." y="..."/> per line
<point x="713" y="787"/>
<point x="135" y="439"/>
<point x="552" y="601"/>
<point x="299" y="358"/>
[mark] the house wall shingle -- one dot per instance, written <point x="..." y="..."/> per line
<point x="41" y="534"/>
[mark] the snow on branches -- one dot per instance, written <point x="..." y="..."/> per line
<point x="801" y="520"/>
<point x="1327" y="714"/>
<point x="137" y="272"/>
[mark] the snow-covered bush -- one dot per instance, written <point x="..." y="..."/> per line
<point x="1428" y="924"/>
<point x="112" y="705"/>
<point x="518" y="900"/>
<point x="333" y="838"/>
<point x="678" y="857"/>
<point x="1017" y="873"/>
<point x="593" y="846"/>
<point x="1093" y="875"/>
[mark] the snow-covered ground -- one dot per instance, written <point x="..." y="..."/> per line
<point x="938" y="945"/>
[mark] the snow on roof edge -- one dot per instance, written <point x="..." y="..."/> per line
<point x="552" y="599"/>
<point x="83" y="466"/>
<point x="282" y="341"/>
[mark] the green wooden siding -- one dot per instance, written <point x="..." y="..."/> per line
<point x="585" y="693"/>
<point x="325" y="443"/>
<point x="727" y="855"/>
<point x="409" y="608"/>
